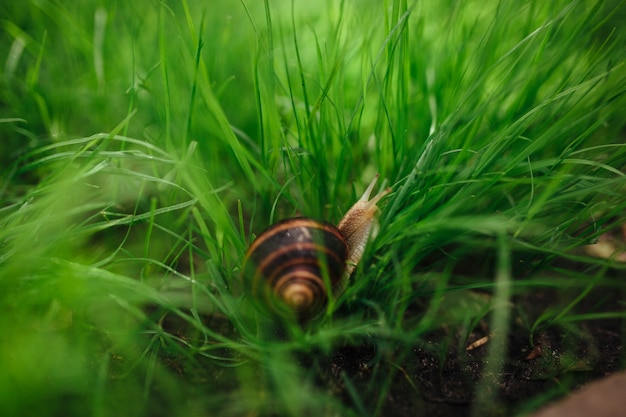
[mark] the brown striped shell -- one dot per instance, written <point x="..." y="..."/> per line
<point x="295" y="264"/>
<point x="286" y="265"/>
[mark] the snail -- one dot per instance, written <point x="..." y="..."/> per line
<point x="293" y="266"/>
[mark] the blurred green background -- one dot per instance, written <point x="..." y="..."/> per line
<point x="144" y="144"/>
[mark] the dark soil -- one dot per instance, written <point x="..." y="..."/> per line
<point x="429" y="383"/>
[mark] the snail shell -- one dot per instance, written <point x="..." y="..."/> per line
<point x="286" y="262"/>
<point x="293" y="266"/>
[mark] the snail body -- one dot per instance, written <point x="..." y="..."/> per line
<point x="293" y="266"/>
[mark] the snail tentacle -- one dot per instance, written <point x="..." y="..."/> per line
<point x="359" y="224"/>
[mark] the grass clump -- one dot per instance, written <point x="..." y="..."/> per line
<point x="499" y="126"/>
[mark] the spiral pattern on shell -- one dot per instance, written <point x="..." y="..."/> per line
<point x="285" y="266"/>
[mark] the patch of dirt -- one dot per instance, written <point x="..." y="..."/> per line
<point x="431" y="383"/>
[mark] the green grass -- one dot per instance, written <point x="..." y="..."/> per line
<point x="145" y="144"/>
